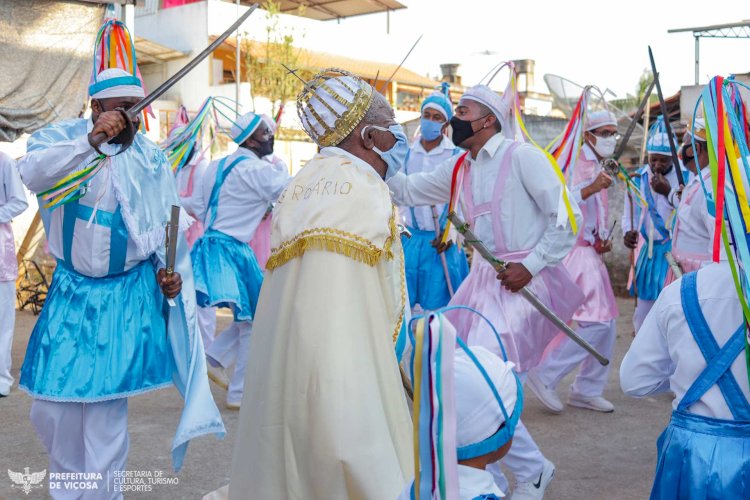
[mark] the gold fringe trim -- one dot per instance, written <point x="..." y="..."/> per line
<point x="337" y="241"/>
<point x="400" y="321"/>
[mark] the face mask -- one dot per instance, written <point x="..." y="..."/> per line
<point x="462" y="129"/>
<point x="430" y="129"/>
<point x="605" y="146"/>
<point x="396" y="156"/>
<point x="264" y="148"/>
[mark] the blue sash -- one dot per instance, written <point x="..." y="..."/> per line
<point x="118" y="239"/>
<point x="221" y="176"/>
<point x="718" y="361"/>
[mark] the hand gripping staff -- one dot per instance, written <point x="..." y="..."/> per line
<point x="471" y="240"/>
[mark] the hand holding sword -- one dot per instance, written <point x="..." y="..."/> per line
<point x="170" y="282"/>
<point x="500" y="266"/>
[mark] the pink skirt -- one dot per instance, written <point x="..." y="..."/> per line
<point x="687" y="264"/>
<point x="261" y="242"/>
<point x="525" y="333"/>
<point x="587" y="269"/>
<point x="194" y="232"/>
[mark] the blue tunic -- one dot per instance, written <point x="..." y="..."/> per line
<point x="701" y="457"/>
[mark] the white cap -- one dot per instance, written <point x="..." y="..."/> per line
<point x="599" y="119"/>
<point x="244" y="127"/>
<point x="478" y="414"/>
<point x="115" y="82"/>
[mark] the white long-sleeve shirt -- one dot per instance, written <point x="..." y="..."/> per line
<point x="41" y="169"/>
<point x="663" y="206"/>
<point x="694" y="226"/>
<point x="591" y="207"/>
<point x="245" y="196"/>
<point x="420" y="161"/>
<point x="12" y="195"/>
<point x="665" y="356"/>
<point x="529" y="205"/>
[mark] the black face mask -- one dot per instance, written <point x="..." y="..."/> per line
<point x="462" y="129"/>
<point x="264" y="148"/>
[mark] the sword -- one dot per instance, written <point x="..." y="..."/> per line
<point x="673" y="264"/>
<point x="171" y="243"/>
<point x="663" y="105"/>
<point x="133" y="112"/>
<point x="383" y="87"/>
<point x="471" y="240"/>
<point x="443" y="260"/>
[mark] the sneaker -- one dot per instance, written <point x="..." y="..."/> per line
<point x="547" y="396"/>
<point x="231" y="405"/>
<point x="596" y="403"/>
<point x="218" y="376"/>
<point x="534" y="490"/>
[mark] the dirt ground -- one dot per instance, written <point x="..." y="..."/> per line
<point x="597" y="456"/>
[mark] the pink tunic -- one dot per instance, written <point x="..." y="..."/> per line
<point x="584" y="264"/>
<point x="261" y="242"/>
<point x="525" y="333"/>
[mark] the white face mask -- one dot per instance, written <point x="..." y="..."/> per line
<point x="605" y="146"/>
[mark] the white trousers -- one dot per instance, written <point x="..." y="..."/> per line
<point x="592" y="378"/>
<point x="524" y="459"/>
<point x="207" y="324"/>
<point x="7" y="323"/>
<point x="84" y="438"/>
<point x="641" y="311"/>
<point x="232" y="346"/>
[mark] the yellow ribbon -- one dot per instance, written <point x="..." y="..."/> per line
<point x="418" y="341"/>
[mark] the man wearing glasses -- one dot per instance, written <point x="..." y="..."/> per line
<point x="596" y="317"/>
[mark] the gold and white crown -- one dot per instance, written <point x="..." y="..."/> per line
<point x="332" y="104"/>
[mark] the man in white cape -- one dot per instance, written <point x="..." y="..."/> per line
<point x="324" y="415"/>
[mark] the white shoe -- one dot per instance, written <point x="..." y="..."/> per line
<point x="547" y="396"/>
<point x="218" y="376"/>
<point x="596" y="403"/>
<point x="534" y="490"/>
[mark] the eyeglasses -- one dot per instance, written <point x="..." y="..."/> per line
<point x="605" y="134"/>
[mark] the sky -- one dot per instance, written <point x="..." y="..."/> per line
<point x="600" y="43"/>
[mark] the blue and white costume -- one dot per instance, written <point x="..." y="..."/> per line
<point x="692" y="343"/>
<point x="105" y="332"/>
<point x="654" y="239"/>
<point x="425" y="276"/>
<point x="227" y="273"/>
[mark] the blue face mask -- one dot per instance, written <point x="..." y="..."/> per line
<point x="396" y="156"/>
<point x="430" y="129"/>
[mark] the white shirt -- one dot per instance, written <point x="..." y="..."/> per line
<point x="41" y="169"/>
<point x="421" y="160"/>
<point x="194" y="203"/>
<point x="529" y="205"/>
<point x="472" y="482"/>
<point x="12" y="196"/>
<point x="245" y="196"/>
<point x="663" y="207"/>
<point x="695" y="226"/>
<point x="664" y="355"/>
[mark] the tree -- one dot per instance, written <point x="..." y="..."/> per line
<point x="263" y="62"/>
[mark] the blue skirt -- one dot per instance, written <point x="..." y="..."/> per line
<point x="702" y="458"/>
<point x="226" y="274"/>
<point x="650" y="274"/>
<point x="98" y="338"/>
<point x="425" y="277"/>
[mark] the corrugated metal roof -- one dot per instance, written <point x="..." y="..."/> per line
<point x="314" y="61"/>
<point x="324" y="10"/>
<point x="151" y="52"/>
